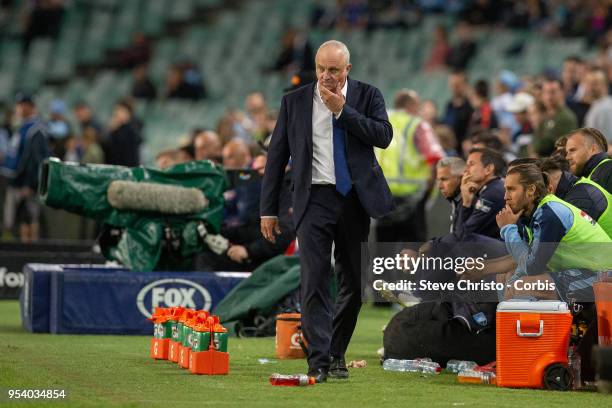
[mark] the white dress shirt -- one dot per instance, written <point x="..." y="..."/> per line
<point x="323" y="171"/>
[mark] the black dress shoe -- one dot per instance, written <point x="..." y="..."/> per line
<point x="319" y="374"/>
<point x="337" y="369"/>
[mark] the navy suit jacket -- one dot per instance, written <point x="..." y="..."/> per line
<point x="364" y="119"/>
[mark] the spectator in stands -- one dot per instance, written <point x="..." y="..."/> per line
<point x="232" y="125"/>
<point x="582" y="99"/>
<point x="439" y="49"/>
<point x="186" y="153"/>
<point x="167" y="158"/>
<point x="142" y="86"/>
<point x="598" y="22"/>
<point x="135" y="121"/>
<point x="458" y="109"/>
<point x="408" y="163"/>
<point x="43" y="19"/>
<point x="449" y="171"/>
<point x="86" y="120"/>
<point x="183" y="81"/>
<point x="352" y="14"/>
<point x="59" y="128"/>
<point x="91" y="151"/>
<point x="429" y="112"/>
<point x="447" y="140"/>
<point x="296" y="53"/>
<point x="587" y="155"/>
<point x="207" y="146"/>
<point x="490" y="139"/>
<point x="599" y="115"/>
<point x="6" y="131"/>
<point x="570" y="78"/>
<point x="481" y="12"/>
<point x="506" y="85"/>
<point x="236" y="155"/>
<point x="123" y="144"/>
<point x="137" y="53"/>
<point x="483" y="117"/>
<point x="464" y="49"/>
<point x="558" y="119"/>
<point x="519" y="107"/>
<point x="28" y="148"/>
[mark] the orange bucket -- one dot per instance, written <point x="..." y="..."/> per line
<point x="289" y="339"/>
<point x="603" y="304"/>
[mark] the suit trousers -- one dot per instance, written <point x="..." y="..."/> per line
<point x="330" y="218"/>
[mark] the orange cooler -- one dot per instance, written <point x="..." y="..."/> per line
<point x="532" y="342"/>
<point x="603" y="304"/>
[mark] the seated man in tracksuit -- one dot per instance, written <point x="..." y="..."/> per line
<point x="480" y="198"/>
<point x="586" y="150"/>
<point x="448" y="175"/>
<point x="583" y="193"/>
<point x="552" y="241"/>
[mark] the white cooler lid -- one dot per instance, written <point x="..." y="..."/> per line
<point x="524" y="305"/>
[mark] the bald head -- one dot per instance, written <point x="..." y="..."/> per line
<point x="207" y="146"/>
<point x="332" y="64"/>
<point x="236" y="154"/>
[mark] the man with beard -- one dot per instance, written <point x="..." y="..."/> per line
<point x="586" y="150"/>
<point x="582" y="193"/>
<point x="552" y="241"/>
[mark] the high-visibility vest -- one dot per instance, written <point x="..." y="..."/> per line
<point x="581" y="246"/>
<point x="404" y="167"/>
<point x="595" y="168"/>
<point x="605" y="219"/>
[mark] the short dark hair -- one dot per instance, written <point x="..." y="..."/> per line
<point x="573" y="58"/>
<point x="555" y="80"/>
<point x="188" y="149"/>
<point x="490" y="156"/>
<point x="481" y="87"/>
<point x="487" y="138"/>
<point x="553" y="163"/>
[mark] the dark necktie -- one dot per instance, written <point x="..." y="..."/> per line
<point x="343" y="177"/>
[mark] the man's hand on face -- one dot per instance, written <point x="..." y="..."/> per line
<point x="333" y="100"/>
<point x="468" y="190"/>
<point x="507" y="217"/>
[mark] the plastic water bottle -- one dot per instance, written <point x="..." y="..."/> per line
<point x="455" y="366"/>
<point x="424" y="365"/>
<point x="574" y="363"/>
<point x="295" y="380"/>
<point x="476" y="377"/>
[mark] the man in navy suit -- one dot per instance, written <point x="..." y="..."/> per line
<point x="329" y="130"/>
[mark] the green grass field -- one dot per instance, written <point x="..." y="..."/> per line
<point x="116" y="371"/>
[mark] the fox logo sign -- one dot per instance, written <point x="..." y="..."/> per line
<point x="172" y="293"/>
